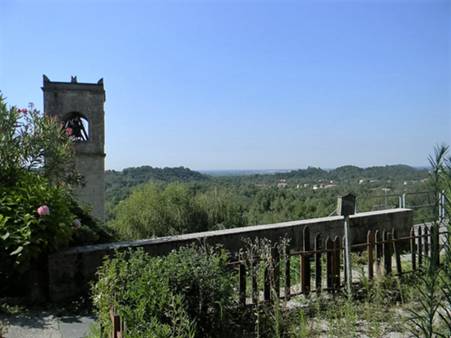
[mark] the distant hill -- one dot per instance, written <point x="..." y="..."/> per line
<point x="242" y="172"/>
<point x="344" y="174"/>
<point x="349" y="172"/>
<point x="118" y="184"/>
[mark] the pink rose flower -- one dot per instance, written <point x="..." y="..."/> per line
<point x="76" y="224"/>
<point x="43" y="210"/>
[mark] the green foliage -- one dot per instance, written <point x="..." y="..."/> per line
<point x="430" y="301"/>
<point x="155" y="211"/>
<point x="222" y="207"/>
<point x="188" y="291"/>
<point x="119" y="184"/>
<point x="445" y="281"/>
<point x="434" y="299"/>
<point x="342" y="319"/>
<point x="90" y="231"/>
<point x="30" y="141"/>
<point x="28" y="182"/>
<point x="36" y="171"/>
<point x="211" y="203"/>
<point x="23" y="233"/>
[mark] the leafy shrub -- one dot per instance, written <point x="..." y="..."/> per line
<point x="25" y="234"/>
<point x="153" y="211"/>
<point x="433" y="317"/>
<point x="90" y="230"/>
<point x="190" y="288"/>
<point x="37" y="212"/>
<point x="30" y="141"/>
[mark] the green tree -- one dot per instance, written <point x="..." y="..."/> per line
<point x="37" y="172"/>
<point x="223" y="207"/>
<point x="31" y="142"/>
<point x="152" y="210"/>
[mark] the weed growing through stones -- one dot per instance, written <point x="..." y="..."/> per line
<point x="432" y="318"/>
<point x="270" y="317"/>
<point x="429" y="302"/>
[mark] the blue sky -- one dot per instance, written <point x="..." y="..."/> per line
<point x="244" y="84"/>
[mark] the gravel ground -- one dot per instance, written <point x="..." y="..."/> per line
<point x="45" y="325"/>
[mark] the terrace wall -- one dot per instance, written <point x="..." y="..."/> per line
<point x="71" y="271"/>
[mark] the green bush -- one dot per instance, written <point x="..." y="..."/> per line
<point x="25" y="234"/>
<point x="190" y="289"/>
<point x="155" y="211"/>
<point x="37" y="212"/>
<point x="90" y="231"/>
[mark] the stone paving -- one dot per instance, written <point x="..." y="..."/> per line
<point x="45" y="325"/>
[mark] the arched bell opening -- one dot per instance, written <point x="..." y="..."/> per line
<point x="77" y="127"/>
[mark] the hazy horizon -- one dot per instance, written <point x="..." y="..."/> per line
<point x="268" y="170"/>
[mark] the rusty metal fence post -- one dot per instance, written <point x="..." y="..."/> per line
<point x="305" y="262"/>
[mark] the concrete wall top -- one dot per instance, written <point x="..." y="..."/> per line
<point x="227" y="232"/>
<point x="71" y="271"/>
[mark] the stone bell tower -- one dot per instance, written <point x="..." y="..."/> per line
<point x="79" y="106"/>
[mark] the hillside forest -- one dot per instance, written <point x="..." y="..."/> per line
<point x="147" y="202"/>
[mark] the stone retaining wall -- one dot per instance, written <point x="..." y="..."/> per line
<point x="70" y="271"/>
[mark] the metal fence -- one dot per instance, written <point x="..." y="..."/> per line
<point x="426" y="205"/>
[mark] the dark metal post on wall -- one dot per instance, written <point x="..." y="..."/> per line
<point x="346" y="207"/>
<point x="441" y="207"/>
<point x="435" y="230"/>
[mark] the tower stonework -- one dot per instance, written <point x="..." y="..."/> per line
<point x="79" y="107"/>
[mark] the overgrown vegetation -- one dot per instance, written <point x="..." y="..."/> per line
<point x="432" y="318"/>
<point x="187" y="293"/>
<point x="415" y="303"/>
<point x="151" y="209"/>
<point x="143" y="292"/>
<point x="37" y="212"/>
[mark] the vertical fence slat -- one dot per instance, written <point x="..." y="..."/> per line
<point x="117" y="327"/>
<point x="386" y="248"/>
<point x="370" y="248"/>
<point x="435" y="244"/>
<point x="276" y="270"/>
<point x="266" y="283"/>
<point x="305" y="262"/>
<point x="254" y="281"/>
<point x="397" y="252"/>
<point x="287" y="276"/>
<point x="378" y="245"/>
<point x="420" y="247"/>
<point x="242" y="283"/>
<point x="318" y="271"/>
<point x="337" y="252"/>
<point x="116" y="322"/>
<point x="426" y="241"/>
<point x="389" y="267"/>
<point x="412" y="249"/>
<point x="333" y="262"/>
<point x="343" y="244"/>
<point x="329" y="274"/>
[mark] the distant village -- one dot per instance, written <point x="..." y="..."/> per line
<point x="329" y="184"/>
